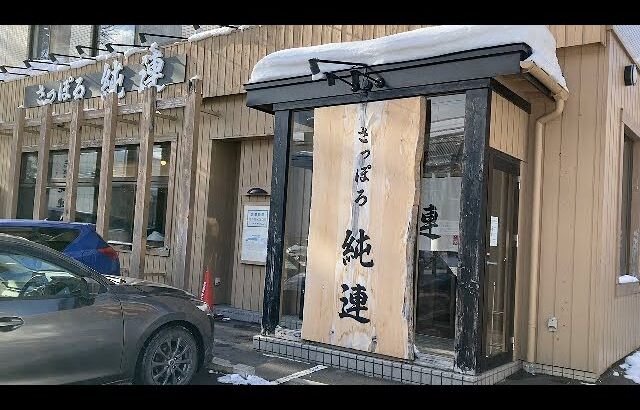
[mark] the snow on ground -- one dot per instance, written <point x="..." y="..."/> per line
<point x="631" y="367"/>
<point x="627" y="279"/>
<point x="237" y="379"/>
<point x="411" y="45"/>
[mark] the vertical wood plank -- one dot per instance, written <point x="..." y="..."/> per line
<point x="143" y="185"/>
<point x="186" y="189"/>
<point x="44" y="142"/>
<point x="71" y="191"/>
<point x="14" y="165"/>
<point x="106" y="164"/>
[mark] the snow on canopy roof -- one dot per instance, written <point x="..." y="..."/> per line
<point x="412" y="45"/>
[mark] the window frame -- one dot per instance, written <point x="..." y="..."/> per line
<point x="155" y="181"/>
<point x="629" y="130"/>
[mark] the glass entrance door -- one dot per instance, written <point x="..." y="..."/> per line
<point x="500" y="262"/>
<point x="439" y="225"/>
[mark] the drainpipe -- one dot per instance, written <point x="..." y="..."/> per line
<point x="560" y="95"/>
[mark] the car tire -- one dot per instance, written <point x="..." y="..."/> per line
<point x="170" y="357"/>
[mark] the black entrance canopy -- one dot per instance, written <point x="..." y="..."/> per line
<point x="448" y="73"/>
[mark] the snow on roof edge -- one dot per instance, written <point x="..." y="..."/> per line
<point x="412" y="45"/>
<point x="218" y="31"/>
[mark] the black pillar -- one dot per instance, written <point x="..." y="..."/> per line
<point x="468" y="332"/>
<point x="275" y="243"/>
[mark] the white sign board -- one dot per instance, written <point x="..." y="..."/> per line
<point x="255" y="227"/>
<point x="493" y="232"/>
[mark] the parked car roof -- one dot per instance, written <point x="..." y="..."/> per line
<point x="38" y="222"/>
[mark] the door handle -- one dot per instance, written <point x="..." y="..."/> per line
<point x="10" y="323"/>
<point x="492" y="263"/>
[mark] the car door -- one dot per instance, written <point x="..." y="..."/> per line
<point x="58" y="322"/>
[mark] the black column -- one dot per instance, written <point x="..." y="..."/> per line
<point x="275" y="243"/>
<point x="468" y="332"/>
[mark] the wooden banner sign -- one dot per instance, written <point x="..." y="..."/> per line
<point x="360" y="260"/>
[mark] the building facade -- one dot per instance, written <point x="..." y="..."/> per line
<point x="208" y="166"/>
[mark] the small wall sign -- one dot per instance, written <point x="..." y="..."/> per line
<point x="255" y="228"/>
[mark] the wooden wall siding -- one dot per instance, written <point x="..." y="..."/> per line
<point x="255" y="171"/>
<point x="508" y="132"/>
<point x="234" y="119"/>
<point x="568" y="35"/>
<point x="619" y="327"/>
<point x="570" y="215"/>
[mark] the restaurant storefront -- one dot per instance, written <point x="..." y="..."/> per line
<point x="410" y="200"/>
<point x="385" y="220"/>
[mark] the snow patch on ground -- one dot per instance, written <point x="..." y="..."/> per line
<point x="627" y="279"/>
<point x="411" y="45"/>
<point x="631" y="366"/>
<point x="237" y="379"/>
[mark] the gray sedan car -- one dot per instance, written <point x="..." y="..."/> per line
<point x="61" y="322"/>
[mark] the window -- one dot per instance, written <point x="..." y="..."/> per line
<point x="27" y="185"/>
<point x="88" y="182"/>
<point x="123" y="194"/>
<point x="116" y="33"/>
<point x="297" y="216"/>
<point x="27" y="277"/>
<point x="60" y="39"/>
<point x="628" y="257"/>
<point x="439" y="220"/>
<point x="56" y="183"/>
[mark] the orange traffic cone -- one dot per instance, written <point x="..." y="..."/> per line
<point x="207" y="289"/>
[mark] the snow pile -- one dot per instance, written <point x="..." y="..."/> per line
<point x="627" y="279"/>
<point x="102" y="57"/>
<point x="236" y="379"/>
<point x="632" y="367"/>
<point x="411" y="45"/>
<point x="134" y="50"/>
<point x="81" y="63"/>
<point x="219" y="31"/>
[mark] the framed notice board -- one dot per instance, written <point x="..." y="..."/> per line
<point x="255" y="229"/>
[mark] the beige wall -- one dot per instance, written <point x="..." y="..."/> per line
<point x="618" y="324"/>
<point x="255" y="171"/>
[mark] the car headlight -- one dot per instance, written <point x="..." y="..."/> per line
<point x="201" y="305"/>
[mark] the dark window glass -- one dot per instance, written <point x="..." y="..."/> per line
<point x="626" y="267"/>
<point x="88" y="184"/>
<point x="27" y="185"/>
<point x="51" y="39"/>
<point x="123" y="197"/>
<point x="439" y="221"/>
<point x="123" y="194"/>
<point x="297" y="215"/>
<point x="56" y="183"/>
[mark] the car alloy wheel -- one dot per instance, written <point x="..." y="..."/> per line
<point x="171" y="358"/>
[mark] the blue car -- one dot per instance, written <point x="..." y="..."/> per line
<point x="77" y="240"/>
